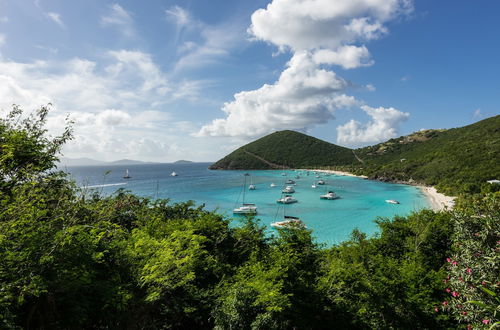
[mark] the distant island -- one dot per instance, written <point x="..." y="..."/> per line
<point x="92" y="162"/>
<point x="182" y="161"/>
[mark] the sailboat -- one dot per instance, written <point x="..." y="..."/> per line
<point x="173" y="174"/>
<point x="126" y="176"/>
<point x="245" y="208"/>
<point x="251" y="186"/>
<point x="288" y="222"/>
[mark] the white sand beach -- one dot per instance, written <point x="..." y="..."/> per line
<point x="439" y="202"/>
<point x="337" y="173"/>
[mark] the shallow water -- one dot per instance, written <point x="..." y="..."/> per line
<point x="361" y="201"/>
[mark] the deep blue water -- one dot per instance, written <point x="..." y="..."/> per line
<point x="332" y="221"/>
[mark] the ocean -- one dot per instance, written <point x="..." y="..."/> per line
<point x="332" y="221"/>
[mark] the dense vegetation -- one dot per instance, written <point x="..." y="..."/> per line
<point x="73" y="259"/>
<point x="455" y="160"/>
<point x="458" y="160"/>
<point x="286" y="148"/>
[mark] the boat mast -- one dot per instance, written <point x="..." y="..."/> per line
<point x="244" y="187"/>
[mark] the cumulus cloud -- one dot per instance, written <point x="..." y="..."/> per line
<point x="303" y="96"/>
<point x="330" y="24"/>
<point x="348" y="57"/>
<point x="319" y="33"/>
<point x="121" y="99"/>
<point x="383" y="125"/>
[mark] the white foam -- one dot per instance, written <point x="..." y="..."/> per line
<point x="106" y="185"/>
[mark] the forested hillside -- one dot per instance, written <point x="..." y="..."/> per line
<point x="455" y="160"/>
<point x="286" y="149"/>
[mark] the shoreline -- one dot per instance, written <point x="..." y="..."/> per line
<point x="342" y="173"/>
<point x="437" y="200"/>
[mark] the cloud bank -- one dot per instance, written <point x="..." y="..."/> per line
<point x="319" y="34"/>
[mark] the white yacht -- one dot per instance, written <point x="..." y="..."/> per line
<point x="251" y="187"/>
<point x="173" y="174"/>
<point x="126" y="176"/>
<point x="287" y="199"/>
<point x="246" y="208"/>
<point x="313" y="186"/>
<point x="272" y="184"/>
<point x="288" y="190"/>
<point x="391" y="201"/>
<point x="330" y="195"/>
<point x="321" y="182"/>
<point x="289" y="222"/>
<point x="290" y="181"/>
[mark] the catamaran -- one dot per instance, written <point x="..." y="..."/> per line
<point x="329" y="195"/>
<point x="289" y="222"/>
<point x="245" y="208"/>
<point x="287" y="199"/>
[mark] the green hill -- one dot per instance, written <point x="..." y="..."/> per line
<point x="455" y="160"/>
<point x="286" y="149"/>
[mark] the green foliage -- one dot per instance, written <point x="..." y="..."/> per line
<point x="474" y="267"/>
<point x="458" y="160"/>
<point x="25" y="151"/>
<point x="286" y="148"/>
<point x="73" y="259"/>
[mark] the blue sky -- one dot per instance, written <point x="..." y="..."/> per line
<point x="167" y="80"/>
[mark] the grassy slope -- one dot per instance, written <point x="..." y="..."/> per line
<point x="287" y="148"/>
<point x="458" y="159"/>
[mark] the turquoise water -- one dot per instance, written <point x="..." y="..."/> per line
<point x="361" y="201"/>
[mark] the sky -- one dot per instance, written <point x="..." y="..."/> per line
<point x="163" y="80"/>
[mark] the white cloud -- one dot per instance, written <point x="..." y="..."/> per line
<point x="314" y="24"/>
<point x="4" y="19"/>
<point x="2" y="39"/>
<point x="348" y="57"/>
<point x="119" y="18"/>
<point x="370" y="88"/>
<point x="384" y="125"/>
<point x="178" y="15"/>
<point x="118" y="103"/>
<point x="303" y="96"/>
<point x="318" y="33"/>
<point x="56" y="18"/>
<point x="478" y="113"/>
<point x="210" y="44"/>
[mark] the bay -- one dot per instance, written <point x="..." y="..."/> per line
<point x="332" y="221"/>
